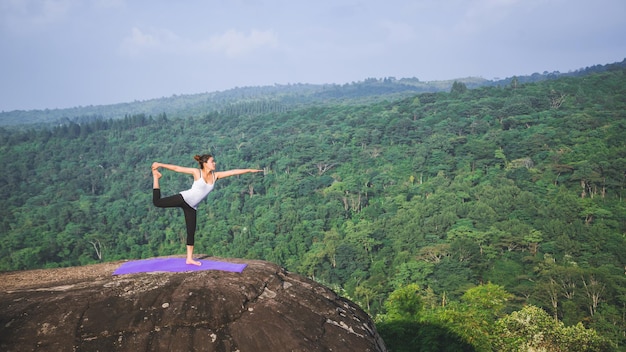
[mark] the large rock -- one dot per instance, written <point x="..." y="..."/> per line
<point x="265" y="308"/>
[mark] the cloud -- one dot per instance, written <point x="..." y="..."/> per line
<point x="231" y="43"/>
<point x="109" y="4"/>
<point x="140" y="41"/>
<point x="234" y="43"/>
<point x="32" y="15"/>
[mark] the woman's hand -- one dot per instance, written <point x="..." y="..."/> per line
<point x="155" y="165"/>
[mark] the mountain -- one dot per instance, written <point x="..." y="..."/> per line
<point x="440" y="199"/>
<point x="272" y="98"/>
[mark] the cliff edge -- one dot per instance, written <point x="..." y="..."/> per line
<point x="264" y="308"/>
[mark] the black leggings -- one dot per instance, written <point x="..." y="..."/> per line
<point x="177" y="201"/>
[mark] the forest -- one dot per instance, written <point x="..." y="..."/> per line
<point x="475" y="219"/>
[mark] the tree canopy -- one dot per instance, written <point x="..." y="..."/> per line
<point x="521" y="186"/>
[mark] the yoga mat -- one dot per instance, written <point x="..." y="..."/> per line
<point x="174" y="265"/>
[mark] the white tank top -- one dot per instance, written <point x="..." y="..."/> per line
<point x="198" y="191"/>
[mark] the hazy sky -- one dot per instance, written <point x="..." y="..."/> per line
<point x="67" y="53"/>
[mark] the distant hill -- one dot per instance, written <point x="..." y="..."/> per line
<point x="271" y="98"/>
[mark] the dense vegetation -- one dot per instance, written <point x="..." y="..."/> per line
<point x="486" y="218"/>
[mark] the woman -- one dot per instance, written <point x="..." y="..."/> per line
<point x="203" y="182"/>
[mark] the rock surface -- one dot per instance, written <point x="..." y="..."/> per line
<point x="264" y="308"/>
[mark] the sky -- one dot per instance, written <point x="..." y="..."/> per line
<point x="71" y="53"/>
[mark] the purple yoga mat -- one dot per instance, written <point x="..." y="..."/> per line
<point x="174" y="265"/>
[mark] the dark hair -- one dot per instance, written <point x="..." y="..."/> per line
<point x="201" y="159"/>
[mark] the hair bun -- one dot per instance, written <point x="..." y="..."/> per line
<point x="197" y="157"/>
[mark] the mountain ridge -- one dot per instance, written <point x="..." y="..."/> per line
<point x="281" y="96"/>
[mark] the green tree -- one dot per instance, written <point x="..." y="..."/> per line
<point x="404" y="303"/>
<point x="533" y="329"/>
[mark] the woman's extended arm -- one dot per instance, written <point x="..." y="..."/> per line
<point x="175" y="168"/>
<point x="222" y="174"/>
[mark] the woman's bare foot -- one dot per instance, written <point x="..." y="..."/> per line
<point x="190" y="257"/>
<point x="193" y="262"/>
<point x="156" y="175"/>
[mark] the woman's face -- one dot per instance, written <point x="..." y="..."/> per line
<point x="210" y="164"/>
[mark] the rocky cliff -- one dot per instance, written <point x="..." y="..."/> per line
<point x="264" y="308"/>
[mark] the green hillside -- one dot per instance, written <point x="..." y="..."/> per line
<point x="241" y="100"/>
<point x="276" y="98"/>
<point x="446" y="213"/>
